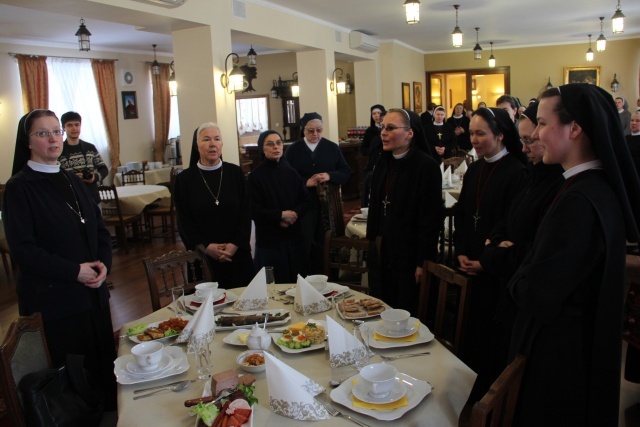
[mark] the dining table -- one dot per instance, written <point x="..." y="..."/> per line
<point x="450" y="378"/>
<point x="134" y="198"/>
<point x="151" y="176"/>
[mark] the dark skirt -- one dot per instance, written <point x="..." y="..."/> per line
<point x="284" y="258"/>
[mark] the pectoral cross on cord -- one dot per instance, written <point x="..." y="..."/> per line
<point x="389" y="183"/>
<point x="440" y="135"/>
<point x="480" y="194"/>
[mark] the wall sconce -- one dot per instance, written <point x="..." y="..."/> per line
<point x="477" y="50"/>
<point x="275" y="89"/>
<point x="84" y="44"/>
<point x="282" y="88"/>
<point x="173" y="85"/>
<point x="155" y="66"/>
<point x="252" y="56"/>
<point x="295" y="88"/>
<point x="549" y="85"/>
<point x="456" y="35"/>
<point x="601" y="42"/>
<point x="492" y="59"/>
<point x="348" y="86"/>
<point x="233" y="81"/>
<point x="617" y="20"/>
<point x="615" y="84"/>
<point x="338" y="87"/>
<point x="589" y="55"/>
<point x="412" y="11"/>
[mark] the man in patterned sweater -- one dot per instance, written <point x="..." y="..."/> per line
<point x="81" y="157"/>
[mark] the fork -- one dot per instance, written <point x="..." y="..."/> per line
<point x="335" y="413"/>
<point x="402" y="356"/>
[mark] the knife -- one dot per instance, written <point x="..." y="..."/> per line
<point x="142" y="390"/>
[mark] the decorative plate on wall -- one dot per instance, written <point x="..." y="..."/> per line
<point x="127" y="78"/>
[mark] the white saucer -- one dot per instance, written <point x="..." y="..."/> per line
<point x="396" y="393"/>
<point x="133" y="368"/>
<point x="393" y="334"/>
<point x="331" y="287"/>
<point x="217" y="297"/>
<point x="123" y="376"/>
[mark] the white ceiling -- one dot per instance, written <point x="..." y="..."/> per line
<point x="507" y="23"/>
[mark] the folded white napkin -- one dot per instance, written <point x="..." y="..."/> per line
<point x="449" y="200"/>
<point x="473" y="154"/>
<point x="255" y="296"/>
<point x="308" y="300"/>
<point x="291" y="394"/>
<point x="446" y="176"/>
<point x="203" y="322"/>
<point x="344" y="348"/>
<point x="461" y="169"/>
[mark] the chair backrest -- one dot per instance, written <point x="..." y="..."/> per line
<point x="453" y="297"/>
<point x="172" y="181"/>
<point x="175" y="269"/>
<point x="498" y="406"/>
<point x="109" y="203"/>
<point x="133" y="177"/>
<point x="23" y="351"/>
<point x="445" y="244"/>
<point x="330" y="197"/>
<point x="346" y="260"/>
<point x="454" y="162"/>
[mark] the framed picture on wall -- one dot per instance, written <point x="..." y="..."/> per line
<point x="417" y="97"/>
<point x="406" y="96"/>
<point x="129" y="105"/>
<point x="582" y="75"/>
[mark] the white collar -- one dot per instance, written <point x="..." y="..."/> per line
<point x="41" y="167"/>
<point x="401" y="156"/>
<point x="621" y="110"/>
<point x="497" y="157"/>
<point x="312" y="145"/>
<point x="209" y="168"/>
<point x="593" y="164"/>
<point x="438" y="124"/>
<point x="458" y="117"/>
<point x="635" y="133"/>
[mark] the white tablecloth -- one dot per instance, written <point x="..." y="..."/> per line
<point x="154" y="176"/>
<point x="452" y="381"/>
<point x="134" y="198"/>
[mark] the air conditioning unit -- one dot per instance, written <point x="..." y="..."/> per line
<point x="164" y="3"/>
<point x="363" y="42"/>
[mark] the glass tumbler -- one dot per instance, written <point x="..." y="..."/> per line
<point x="177" y="294"/>
<point x="362" y="355"/>
<point x="200" y="346"/>
<point x="271" y="281"/>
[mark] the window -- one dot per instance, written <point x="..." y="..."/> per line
<point x="174" y="120"/>
<point x="252" y="115"/>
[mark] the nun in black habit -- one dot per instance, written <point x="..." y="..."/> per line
<point x="405" y="210"/>
<point x="569" y="289"/>
<point x="440" y="135"/>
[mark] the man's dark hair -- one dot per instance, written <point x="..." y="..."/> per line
<point x="70" y="116"/>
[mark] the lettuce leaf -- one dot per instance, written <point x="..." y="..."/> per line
<point x="206" y="412"/>
<point x="136" y="330"/>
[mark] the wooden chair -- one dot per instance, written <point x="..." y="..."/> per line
<point x="23" y="351"/>
<point x="498" y="406"/>
<point x="445" y="242"/>
<point x="113" y="216"/>
<point x="453" y="297"/>
<point x="175" y="269"/>
<point x="331" y="208"/>
<point x="454" y="162"/>
<point x="133" y="177"/>
<point x="167" y="214"/>
<point x="346" y="260"/>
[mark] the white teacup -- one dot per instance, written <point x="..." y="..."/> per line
<point x="204" y="289"/>
<point x="378" y="379"/>
<point x="395" y="320"/>
<point x="318" y="281"/>
<point x="148" y="355"/>
<point x="364" y="212"/>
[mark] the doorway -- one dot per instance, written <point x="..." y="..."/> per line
<point x="468" y="87"/>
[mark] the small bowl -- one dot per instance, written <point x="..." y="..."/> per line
<point x="318" y="281"/>
<point x="252" y="369"/>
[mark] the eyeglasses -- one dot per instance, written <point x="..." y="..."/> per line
<point x="46" y="134"/>
<point x="391" y="128"/>
<point x="528" y="141"/>
<point x="273" y="144"/>
<point x="312" y="131"/>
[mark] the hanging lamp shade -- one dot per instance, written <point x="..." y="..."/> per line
<point x="252" y="56"/>
<point x="477" y="50"/>
<point x="617" y="20"/>
<point x="589" y="55"/>
<point x="492" y="59"/>
<point x="412" y="11"/>
<point x="601" y="41"/>
<point x="84" y="43"/>
<point x="456" y="35"/>
<point x="615" y="84"/>
<point x="155" y="66"/>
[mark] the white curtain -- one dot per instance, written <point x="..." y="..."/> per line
<point x="174" y="122"/>
<point x="73" y="88"/>
<point x="252" y="114"/>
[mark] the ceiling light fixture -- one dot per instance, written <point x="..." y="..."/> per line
<point x="252" y="56"/>
<point x="589" y="51"/>
<point x="286" y="88"/>
<point x="337" y="86"/>
<point x="601" y="42"/>
<point x="412" y="11"/>
<point x="477" y="50"/>
<point x="615" y="84"/>
<point x="492" y="59"/>
<point x="617" y="20"/>
<point x="84" y="44"/>
<point x="456" y="35"/>
<point x="233" y="81"/>
<point x="155" y="66"/>
<point x="173" y="84"/>
<point x="549" y="85"/>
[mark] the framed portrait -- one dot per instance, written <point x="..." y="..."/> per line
<point x="417" y="97"/>
<point x="129" y="105"/>
<point x="406" y="96"/>
<point x="582" y="75"/>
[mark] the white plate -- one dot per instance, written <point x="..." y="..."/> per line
<point x="416" y="391"/>
<point x="366" y="316"/>
<point x="396" y="334"/>
<point x="361" y="393"/>
<point x="207" y="392"/>
<point x="232" y="338"/>
<point x="248" y="313"/>
<point x="135" y="339"/>
<point x="136" y="371"/>
<point x="231" y="298"/>
<point x="220" y="293"/>
<point x="331" y="287"/>
<point x="276" y="335"/>
<point x="424" y="336"/>
<point x="122" y="376"/>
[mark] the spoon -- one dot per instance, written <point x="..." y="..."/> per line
<point x="336" y="383"/>
<point x="175" y="388"/>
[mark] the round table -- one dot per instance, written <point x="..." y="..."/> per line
<point x="134" y="198"/>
